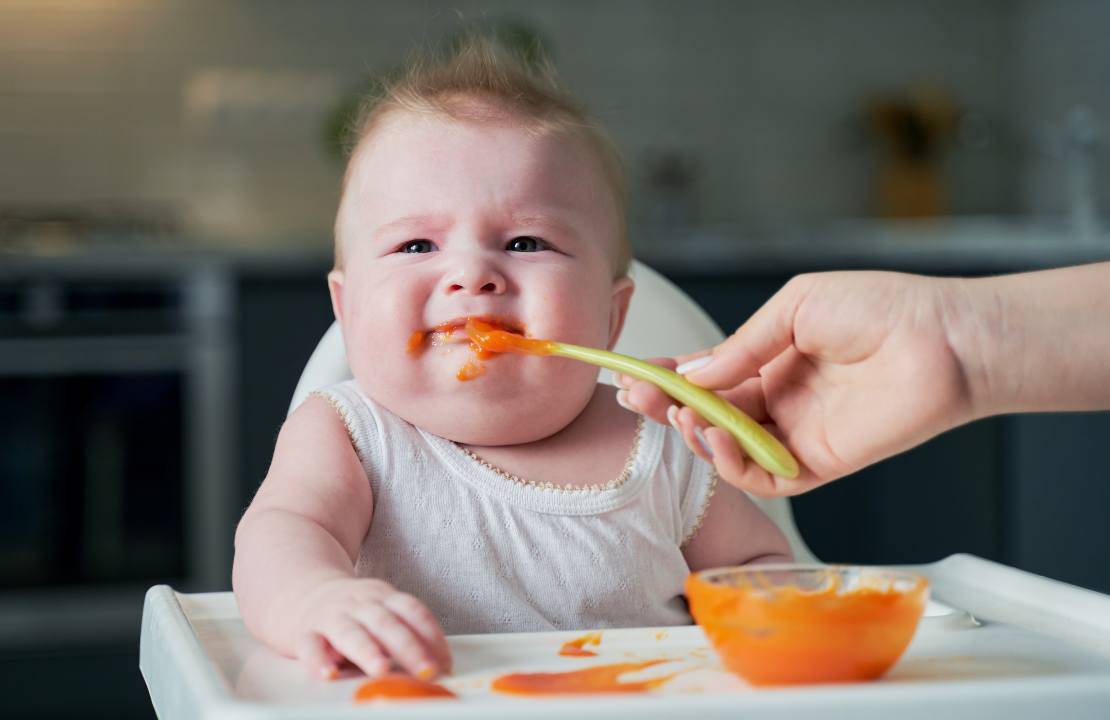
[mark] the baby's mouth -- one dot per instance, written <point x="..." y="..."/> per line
<point x="454" y="331"/>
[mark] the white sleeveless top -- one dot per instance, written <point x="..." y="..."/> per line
<point x="488" y="552"/>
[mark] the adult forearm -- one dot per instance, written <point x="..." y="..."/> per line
<point x="280" y="559"/>
<point x="1036" y="342"/>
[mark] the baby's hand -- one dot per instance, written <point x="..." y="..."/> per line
<point x="370" y="623"/>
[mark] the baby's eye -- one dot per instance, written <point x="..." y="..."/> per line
<point x="418" y="246"/>
<point x="527" y="243"/>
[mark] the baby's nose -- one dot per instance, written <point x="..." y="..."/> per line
<point x="475" y="278"/>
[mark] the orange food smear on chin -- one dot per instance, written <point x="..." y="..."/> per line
<point x="396" y="686"/>
<point x="576" y="647"/>
<point x="600" y="679"/>
<point x="471" y="369"/>
<point x="791" y="635"/>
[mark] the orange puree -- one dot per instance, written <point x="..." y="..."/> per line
<point x="576" y="647"/>
<point x="490" y="338"/>
<point x="471" y="369"/>
<point x="784" y="634"/>
<point x="416" y="342"/>
<point x="397" y="686"/>
<point x="600" y="679"/>
<point x="486" y="341"/>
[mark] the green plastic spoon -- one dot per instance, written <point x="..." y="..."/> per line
<point x="760" y="445"/>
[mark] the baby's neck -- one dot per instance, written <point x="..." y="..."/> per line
<point x="592" y="450"/>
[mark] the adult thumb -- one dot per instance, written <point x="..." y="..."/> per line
<point x="761" y="339"/>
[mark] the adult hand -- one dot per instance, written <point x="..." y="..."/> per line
<point x="845" y="368"/>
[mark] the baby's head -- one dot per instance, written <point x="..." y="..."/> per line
<point x="477" y="188"/>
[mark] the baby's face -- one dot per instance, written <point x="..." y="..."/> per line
<point x="444" y="220"/>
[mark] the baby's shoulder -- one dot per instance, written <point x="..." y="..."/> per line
<point x="315" y="428"/>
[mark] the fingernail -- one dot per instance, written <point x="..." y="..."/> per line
<point x="426" y="672"/>
<point x="622" y="400"/>
<point x="704" y="443"/>
<point x="672" y="417"/>
<point x="619" y="379"/>
<point x="692" y="365"/>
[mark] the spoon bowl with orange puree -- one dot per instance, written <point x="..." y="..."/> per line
<point x="796" y="624"/>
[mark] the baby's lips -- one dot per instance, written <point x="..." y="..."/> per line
<point x="457" y="325"/>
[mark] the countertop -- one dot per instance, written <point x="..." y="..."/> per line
<point x="951" y="245"/>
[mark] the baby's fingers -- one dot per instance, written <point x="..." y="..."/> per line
<point x="398" y="639"/>
<point x="319" y="656"/>
<point x="421" y="621"/>
<point x="355" y="643"/>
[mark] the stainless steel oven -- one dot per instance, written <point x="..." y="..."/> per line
<point x="115" y="437"/>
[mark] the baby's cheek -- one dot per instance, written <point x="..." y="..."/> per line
<point x="577" y="313"/>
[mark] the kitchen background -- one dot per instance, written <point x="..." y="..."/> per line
<point x="168" y="176"/>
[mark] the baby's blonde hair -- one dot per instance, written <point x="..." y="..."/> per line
<point x="481" y="82"/>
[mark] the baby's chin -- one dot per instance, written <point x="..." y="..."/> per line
<point x="493" y="408"/>
<point x="484" y="426"/>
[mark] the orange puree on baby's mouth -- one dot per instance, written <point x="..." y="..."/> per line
<point x="416" y="342"/>
<point x="576" y="647"/>
<point x="397" y="686"/>
<point x="487" y="340"/>
<point x="599" y="679"/>
<point x="492" y="339"/>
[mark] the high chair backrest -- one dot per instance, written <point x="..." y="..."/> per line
<point x="662" y="322"/>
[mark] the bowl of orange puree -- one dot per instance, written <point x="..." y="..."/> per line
<point x="795" y="624"/>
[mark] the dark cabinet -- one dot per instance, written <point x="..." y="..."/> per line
<point x="279" y="320"/>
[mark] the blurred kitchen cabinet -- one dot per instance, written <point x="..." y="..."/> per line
<point x="280" y="316"/>
<point x="100" y="682"/>
<point x="1059" y="497"/>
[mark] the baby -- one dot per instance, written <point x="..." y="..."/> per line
<point x="406" y="503"/>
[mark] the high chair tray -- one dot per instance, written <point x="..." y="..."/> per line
<point x="999" y="643"/>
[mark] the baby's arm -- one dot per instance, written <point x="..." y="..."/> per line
<point x="735" y="532"/>
<point x="295" y="552"/>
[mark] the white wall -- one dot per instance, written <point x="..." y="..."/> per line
<point x="215" y="108"/>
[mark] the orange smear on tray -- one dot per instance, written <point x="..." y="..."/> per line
<point x="576" y="647"/>
<point x="600" y="679"/>
<point x="396" y="686"/>
<point x="790" y="635"/>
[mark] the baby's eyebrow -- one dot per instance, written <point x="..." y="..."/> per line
<point x="423" y="222"/>
<point x="544" y="219"/>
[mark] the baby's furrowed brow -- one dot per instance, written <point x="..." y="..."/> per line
<point x="550" y="220"/>
<point x="413" y="224"/>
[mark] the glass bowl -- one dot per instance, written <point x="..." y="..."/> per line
<point x="793" y="624"/>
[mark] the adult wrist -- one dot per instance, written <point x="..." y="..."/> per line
<point x="974" y="318"/>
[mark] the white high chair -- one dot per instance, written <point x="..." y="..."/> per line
<point x="662" y="322"/>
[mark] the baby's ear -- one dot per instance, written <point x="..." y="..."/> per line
<point x="618" y="307"/>
<point x="335" y="288"/>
